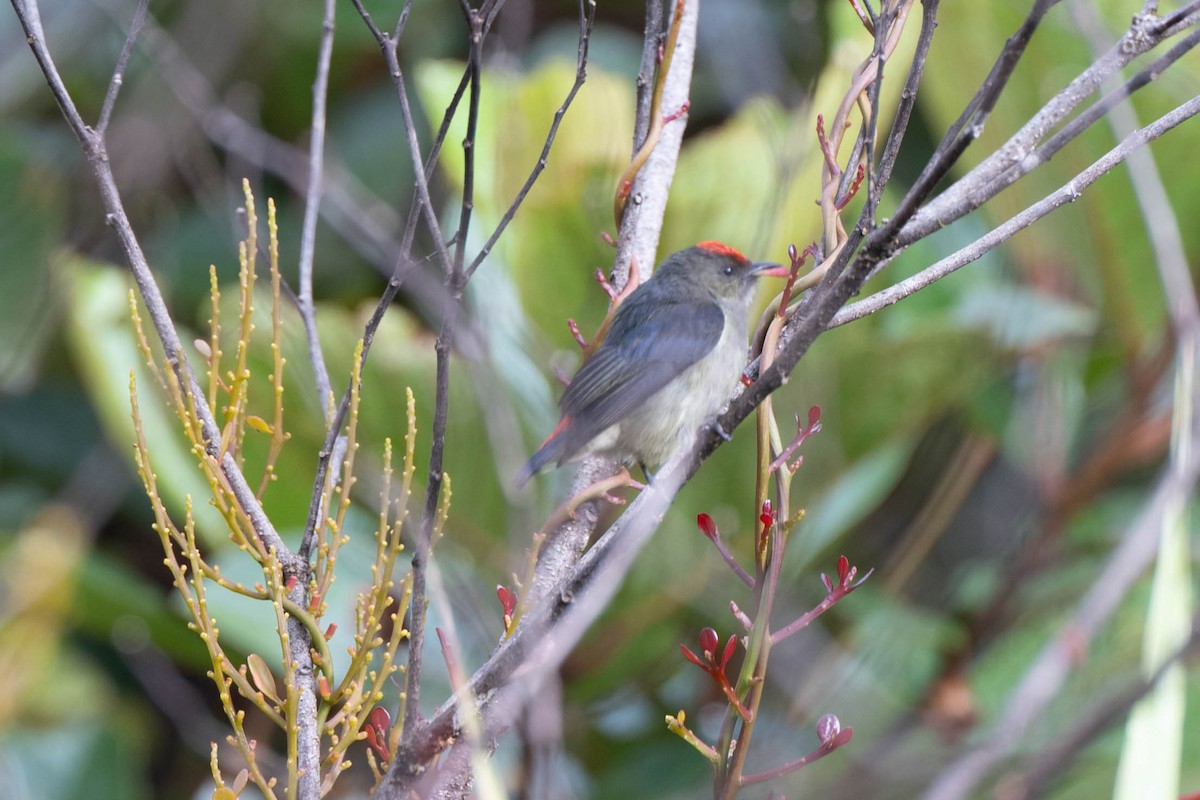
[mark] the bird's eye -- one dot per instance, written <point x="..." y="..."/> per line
<point x="728" y="270"/>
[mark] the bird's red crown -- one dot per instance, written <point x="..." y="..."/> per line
<point x="721" y="249"/>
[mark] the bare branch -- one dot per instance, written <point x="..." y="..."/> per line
<point x="388" y="48"/>
<point x="984" y="181"/>
<point x="968" y="127"/>
<point x="1094" y="112"/>
<point x="548" y="631"/>
<point x="312" y="203"/>
<point x="1067" y="194"/>
<point x="94" y="149"/>
<point x="1157" y="215"/>
<point x="455" y="283"/>
<point x="118" y="76"/>
<point x="587" y="15"/>
<point x="641" y="226"/>
<point x="294" y="568"/>
<point x="908" y="99"/>
<point x="535" y="637"/>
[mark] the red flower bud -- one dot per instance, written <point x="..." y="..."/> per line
<point x="709" y="642"/>
<point x="828" y="727"/>
<point x="707" y="526"/>
<point x="767" y="517"/>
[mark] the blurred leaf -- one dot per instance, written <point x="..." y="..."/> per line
<point x="100" y="334"/>
<point x="747" y="182"/>
<point x="1151" y="757"/>
<point x="92" y="758"/>
<point x="31" y="220"/>
<point x="125" y="608"/>
<point x="847" y="501"/>
<point x="1022" y="319"/>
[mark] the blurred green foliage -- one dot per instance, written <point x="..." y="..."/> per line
<point x="1037" y="355"/>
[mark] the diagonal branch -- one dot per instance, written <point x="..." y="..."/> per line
<point x="95" y="151"/>
<point x="118" y="76"/>
<point x="294" y="569"/>
<point x="985" y="180"/>
<point x="587" y="16"/>
<point x="312" y="204"/>
<point x="1066" y="194"/>
<point x="969" y="125"/>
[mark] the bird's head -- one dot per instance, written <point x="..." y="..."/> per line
<point x="716" y="270"/>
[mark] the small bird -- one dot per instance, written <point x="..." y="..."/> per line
<point x="672" y="355"/>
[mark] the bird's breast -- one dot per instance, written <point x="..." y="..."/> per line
<point x="669" y="419"/>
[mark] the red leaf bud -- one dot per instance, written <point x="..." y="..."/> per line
<point x="730" y="647"/>
<point x="508" y="600"/>
<point x="692" y="657"/>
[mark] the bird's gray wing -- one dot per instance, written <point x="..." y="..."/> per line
<point x="639" y="356"/>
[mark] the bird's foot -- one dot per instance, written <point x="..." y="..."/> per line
<point x="717" y="429"/>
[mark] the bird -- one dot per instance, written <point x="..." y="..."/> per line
<point x="672" y="355"/>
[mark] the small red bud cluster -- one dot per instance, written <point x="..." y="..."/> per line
<point x="714" y="658"/>
<point x="709" y="642"/>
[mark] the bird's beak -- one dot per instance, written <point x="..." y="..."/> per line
<point x="769" y="269"/>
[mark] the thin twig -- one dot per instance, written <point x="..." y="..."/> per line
<point x="1160" y="220"/>
<point x="96" y="152"/>
<point x="312" y="203"/>
<point x="1066" y="194"/>
<point x="985" y="180"/>
<point x="388" y="46"/>
<point x="908" y="99"/>
<point x="455" y="283"/>
<point x="587" y="14"/>
<point x="968" y="127"/>
<point x="328" y="447"/>
<point x="431" y="160"/>
<point x="118" y="76"/>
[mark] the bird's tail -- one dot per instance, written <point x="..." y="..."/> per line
<point x="532" y="467"/>
<point x="552" y="450"/>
